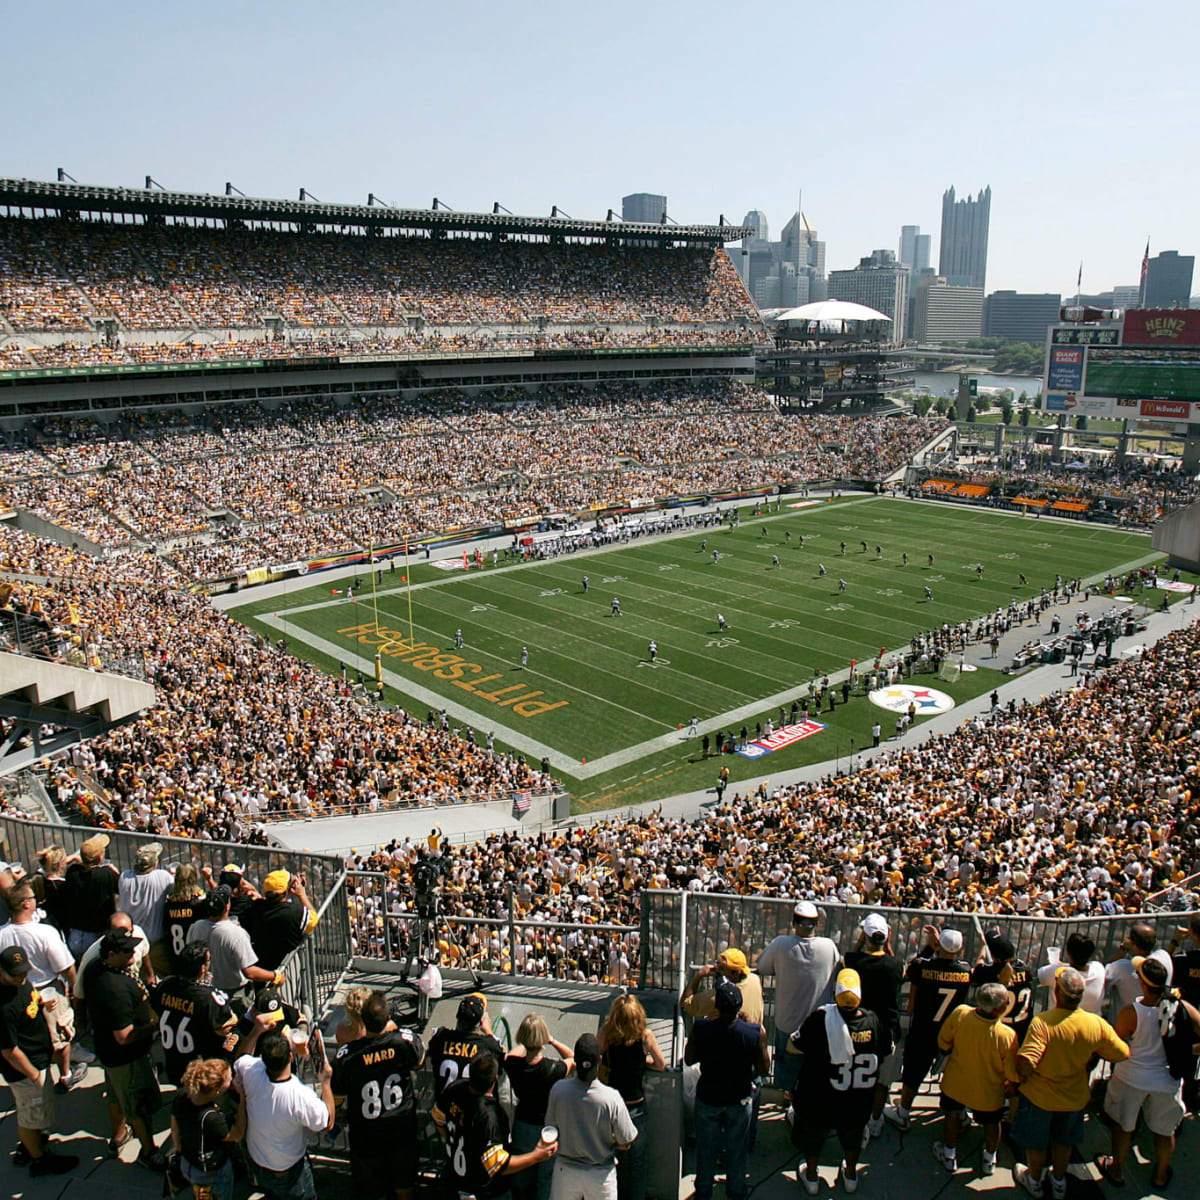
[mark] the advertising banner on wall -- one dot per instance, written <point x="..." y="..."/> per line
<point x="1161" y="327"/>
<point x="1065" y="372"/>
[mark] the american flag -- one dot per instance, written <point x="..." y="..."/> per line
<point x="1145" y="268"/>
<point x="522" y="801"/>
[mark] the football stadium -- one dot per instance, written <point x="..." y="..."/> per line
<point x="443" y="580"/>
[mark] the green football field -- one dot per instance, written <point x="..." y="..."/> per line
<point x="590" y="698"/>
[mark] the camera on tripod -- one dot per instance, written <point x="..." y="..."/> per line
<point x="427" y="881"/>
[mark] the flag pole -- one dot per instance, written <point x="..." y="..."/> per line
<point x="374" y="593"/>
<point x="408" y="590"/>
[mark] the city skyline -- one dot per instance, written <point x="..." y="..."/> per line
<point x="505" y="106"/>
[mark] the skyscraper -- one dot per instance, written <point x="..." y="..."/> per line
<point x="1020" y="316"/>
<point x="914" y="248"/>
<point x="879" y="282"/>
<point x="643" y="206"/>
<point x="962" y="257"/>
<point x="785" y="273"/>
<point x="756" y="220"/>
<point x="1169" y="279"/>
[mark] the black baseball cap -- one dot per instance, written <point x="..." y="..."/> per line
<point x="728" y="997"/>
<point x="14" y="961"/>
<point x="470" y="1010"/>
<point x="118" y="941"/>
<point x="269" y="1004"/>
<point x="587" y="1053"/>
<point x="1000" y="947"/>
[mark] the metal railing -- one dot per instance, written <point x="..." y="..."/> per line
<point x="687" y="930"/>
<point x="34" y="636"/>
<point x="21" y="839"/>
<point x="598" y="952"/>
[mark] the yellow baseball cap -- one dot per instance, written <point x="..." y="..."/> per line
<point x="848" y="989"/>
<point x="276" y="883"/>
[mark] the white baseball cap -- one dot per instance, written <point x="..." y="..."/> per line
<point x="806" y="910"/>
<point x="951" y="941"/>
<point x="875" y="927"/>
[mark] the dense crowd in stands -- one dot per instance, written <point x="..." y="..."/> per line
<point x="241" y="728"/>
<point x="340" y="295"/>
<point x="1136" y="493"/>
<point x="315" y="477"/>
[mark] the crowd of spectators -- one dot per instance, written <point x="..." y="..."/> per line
<point x="1134" y="493"/>
<point x="61" y="283"/>
<point x="241" y="730"/>
<point x="315" y="476"/>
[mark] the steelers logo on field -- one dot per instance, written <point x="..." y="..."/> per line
<point x="929" y="701"/>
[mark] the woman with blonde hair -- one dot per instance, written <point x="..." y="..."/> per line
<point x="629" y="1049"/>
<point x="532" y="1075"/>
<point x="352" y="1028"/>
<point x="47" y="882"/>
<point x="200" y="1134"/>
<point x="183" y="905"/>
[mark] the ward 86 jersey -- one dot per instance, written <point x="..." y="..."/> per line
<point x="375" y="1076"/>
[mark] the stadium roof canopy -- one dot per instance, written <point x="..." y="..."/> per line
<point x="833" y="310"/>
<point x="149" y="203"/>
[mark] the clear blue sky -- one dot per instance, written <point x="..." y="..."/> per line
<point x="1082" y="117"/>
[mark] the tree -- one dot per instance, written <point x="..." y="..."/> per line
<point x="982" y="403"/>
<point x="1081" y="421"/>
<point x="1006" y="411"/>
<point x="942" y="405"/>
<point x="971" y="414"/>
<point x="922" y="404"/>
<point x="1025" y="411"/>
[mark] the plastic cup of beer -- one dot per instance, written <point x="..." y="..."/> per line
<point x="1053" y="953"/>
<point x="549" y="1135"/>
<point x="299" y="1039"/>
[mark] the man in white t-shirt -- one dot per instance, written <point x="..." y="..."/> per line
<point x="1077" y="953"/>
<point x="51" y="972"/>
<point x="1122" y="980"/>
<point x="280" y="1114"/>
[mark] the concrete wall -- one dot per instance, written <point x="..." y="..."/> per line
<point x="1178" y="536"/>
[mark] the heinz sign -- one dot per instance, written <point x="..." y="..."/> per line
<point x="1161" y="327"/>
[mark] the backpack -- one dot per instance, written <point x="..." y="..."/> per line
<point x="1178" y="1036"/>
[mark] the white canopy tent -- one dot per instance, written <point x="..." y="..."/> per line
<point x="828" y="312"/>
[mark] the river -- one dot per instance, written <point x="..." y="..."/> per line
<point x="945" y="383"/>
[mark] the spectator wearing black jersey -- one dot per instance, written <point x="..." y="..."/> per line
<point x="200" y="1132"/>
<point x="195" y="1019"/>
<point x="998" y="963"/>
<point x="89" y="895"/>
<point x="940" y="981"/>
<point x="451" y="1051"/>
<point x="281" y="920"/>
<point x="124" y="1029"/>
<point x="881" y="974"/>
<point x="25" y="1054"/>
<point x="374" y="1075"/>
<point x="182" y="906"/>
<point x="531" y="1075"/>
<point x="841" y="1046"/>
<point x="474" y="1129"/>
